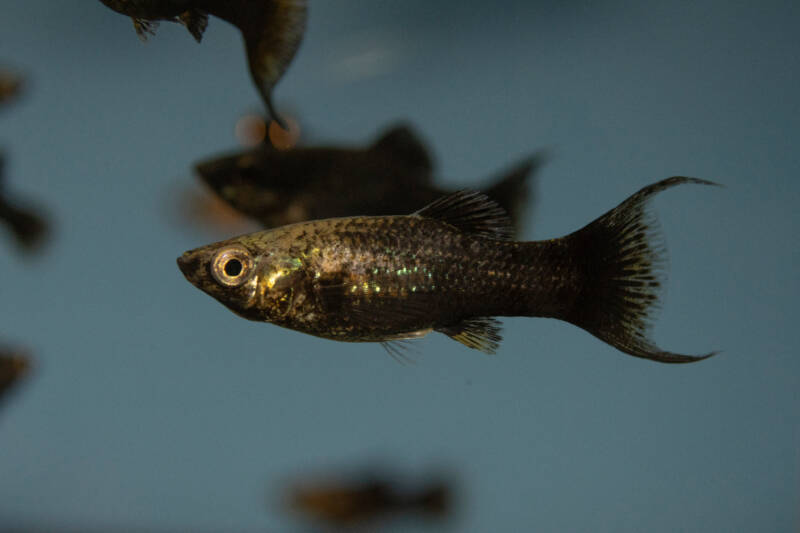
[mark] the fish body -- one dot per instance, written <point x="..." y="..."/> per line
<point x="272" y="30"/>
<point x="391" y="176"/>
<point x="450" y="267"/>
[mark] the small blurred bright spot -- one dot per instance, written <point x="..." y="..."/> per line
<point x="250" y="130"/>
<point x="282" y="139"/>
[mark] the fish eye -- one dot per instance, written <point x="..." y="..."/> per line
<point x="231" y="266"/>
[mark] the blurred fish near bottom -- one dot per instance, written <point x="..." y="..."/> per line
<point x="369" y="497"/>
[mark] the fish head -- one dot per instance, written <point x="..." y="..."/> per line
<point x="252" y="278"/>
<point x="255" y="183"/>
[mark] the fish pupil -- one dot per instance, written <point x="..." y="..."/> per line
<point x="233" y="267"/>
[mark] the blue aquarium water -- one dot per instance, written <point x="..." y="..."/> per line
<point x="151" y="407"/>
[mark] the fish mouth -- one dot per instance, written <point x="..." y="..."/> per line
<point x="188" y="264"/>
<point x="206" y="170"/>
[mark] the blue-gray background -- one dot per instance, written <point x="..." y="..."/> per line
<point x="152" y="406"/>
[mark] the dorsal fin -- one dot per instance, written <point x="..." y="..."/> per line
<point x="471" y="212"/>
<point x="400" y="140"/>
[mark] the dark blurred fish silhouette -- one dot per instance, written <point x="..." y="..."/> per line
<point x="450" y="267"/>
<point x="28" y="225"/>
<point x="10" y="85"/>
<point x="345" y="503"/>
<point x="14" y="364"/>
<point x="272" y="30"/>
<point x="391" y="176"/>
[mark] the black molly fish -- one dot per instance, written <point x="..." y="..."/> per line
<point x="393" y="175"/>
<point x="450" y="267"/>
<point x="272" y="30"/>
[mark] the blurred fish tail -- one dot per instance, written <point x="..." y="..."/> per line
<point x="621" y="260"/>
<point x="435" y="500"/>
<point x="272" y="34"/>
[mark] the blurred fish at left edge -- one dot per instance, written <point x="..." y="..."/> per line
<point x="27" y="223"/>
<point x="15" y="364"/>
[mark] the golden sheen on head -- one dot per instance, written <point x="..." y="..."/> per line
<point x="232" y="266"/>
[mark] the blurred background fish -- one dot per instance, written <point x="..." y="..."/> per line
<point x="10" y="85"/>
<point x="391" y="176"/>
<point x="14" y="365"/>
<point x="368" y="498"/>
<point x="27" y="224"/>
<point x="272" y="30"/>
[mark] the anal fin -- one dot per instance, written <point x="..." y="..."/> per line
<point x="480" y="333"/>
<point x="144" y="28"/>
<point x="195" y="21"/>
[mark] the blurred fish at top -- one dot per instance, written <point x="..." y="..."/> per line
<point x="272" y="30"/>
<point x="368" y="498"/>
<point x="14" y="364"/>
<point x="391" y="176"/>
